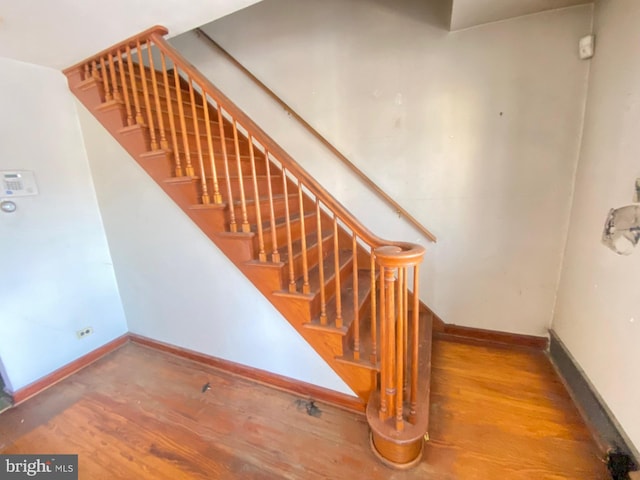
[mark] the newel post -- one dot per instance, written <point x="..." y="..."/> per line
<point x="398" y="411"/>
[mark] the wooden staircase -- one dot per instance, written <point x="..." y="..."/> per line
<point x="351" y="295"/>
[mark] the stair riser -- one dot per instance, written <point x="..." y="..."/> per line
<point x="189" y="125"/>
<point x="310" y="226"/>
<point x="330" y="289"/>
<point x="364" y="316"/>
<point x="313" y="256"/>
<point x="216" y="143"/>
<point x="210" y="221"/>
<point x="234" y="182"/>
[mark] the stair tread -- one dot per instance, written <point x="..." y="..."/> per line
<point x="347" y="306"/>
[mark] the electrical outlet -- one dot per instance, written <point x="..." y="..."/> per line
<point x="84" y="332"/>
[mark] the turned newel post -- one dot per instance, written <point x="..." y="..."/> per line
<point x="393" y="411"/>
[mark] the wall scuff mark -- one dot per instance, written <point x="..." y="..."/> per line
<point x="622" y="229"/>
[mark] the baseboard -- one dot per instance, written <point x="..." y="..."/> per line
<point x="262" y="377"/>
<point x="56" y="376"/>
<point x="606" y="431"/>
<point x="490" y="337"/>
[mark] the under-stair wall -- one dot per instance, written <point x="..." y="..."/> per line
<point x="181" y="297"/>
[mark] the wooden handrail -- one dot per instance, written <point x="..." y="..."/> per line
<point x="276" y="150"/>
<point x="370" y="183"/>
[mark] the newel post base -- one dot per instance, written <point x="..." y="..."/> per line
<point x="399" y="450"/>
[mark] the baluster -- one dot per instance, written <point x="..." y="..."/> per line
<point x="243" y="201"/>
<point x="134" y="88"/>
<point x="154" y="83"/>
<point x="196" y="132"/>
<point x="416" y="345"/>
<point x="217" y="196"/>
<point x="114" y="81"/>
<point x="306" y="288"/>
<point x="292" y="274"/>
<point x="172" y="123"/>
<point x="233" y="226"/>
<point x="405" y="301"/>
<point x="189" y="171"/>
<point x="125" y="92"/>
<point x="105" y="81"/>
<point x="336" y="254"/>
<point x="94" y="70"/>
<point x="87" y="72"/>
<point x="400" y="328"/>
<point x="356" y="312"/>
<point x="384" y="367"/>
<point x="374" y="319"/>
<point x="323" y="299"/>
<point x="262" y="255"/>
<point x="275" y="255"/>
<point x="390" y="350"/>
<point x="145" y="94"/>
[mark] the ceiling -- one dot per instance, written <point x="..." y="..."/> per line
<point x="60" y="33"/>
<point x="468" y="13"/>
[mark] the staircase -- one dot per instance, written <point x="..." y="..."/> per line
<point x="351" y="295"/>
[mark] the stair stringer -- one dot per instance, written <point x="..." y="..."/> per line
<point x="135" y="140"/>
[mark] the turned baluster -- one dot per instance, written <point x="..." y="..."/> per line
<point x="125" y="91"/>
<point x="336" y="259"/>
<point x="172" y="123"/>
<point x="405" y="303"/>
<point x="114" y="81"/>
<point x="275" y="255"/>
<point x="374" y="319"/>
<point x="243" y="201"/>
<point x="323" y="299"/>
<point x="306" y="288"/>
<point x="105" y="81"/>
<point x="87" y="72"/>
<point x="356" y="312"/>
<point x="262" y="255"/>
<point x="415" y="346"/>
<point x="145" y="95"/>
<point x="188" y="167"/>
<point x="134" y="88"/>
<point x="384" y="367"/>
<point x="233" y="225"/>
<point x="217" y="196"/>
<point x="390" y="349"/>
<point x="154" y="83"/>
<point x="292" y="274"/>
<point x="400" y="345"/>
<point x="94" y="70"/>
<point x="196" y="131"/>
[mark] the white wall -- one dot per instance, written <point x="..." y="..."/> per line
<point x="598" y="309"/>
<point x="57" y="275"/>
<point x="467" y="13"/>
<point x="62" y="33"/>
<point x="176" y="286"/>
<point x="476" y="133"/>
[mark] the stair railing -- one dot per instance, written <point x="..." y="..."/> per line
<point x="153" y="84"/>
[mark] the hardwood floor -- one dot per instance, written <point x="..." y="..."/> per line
<point x="138" y="413"/>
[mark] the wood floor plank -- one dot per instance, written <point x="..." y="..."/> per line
<point x="142" y="414"/>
